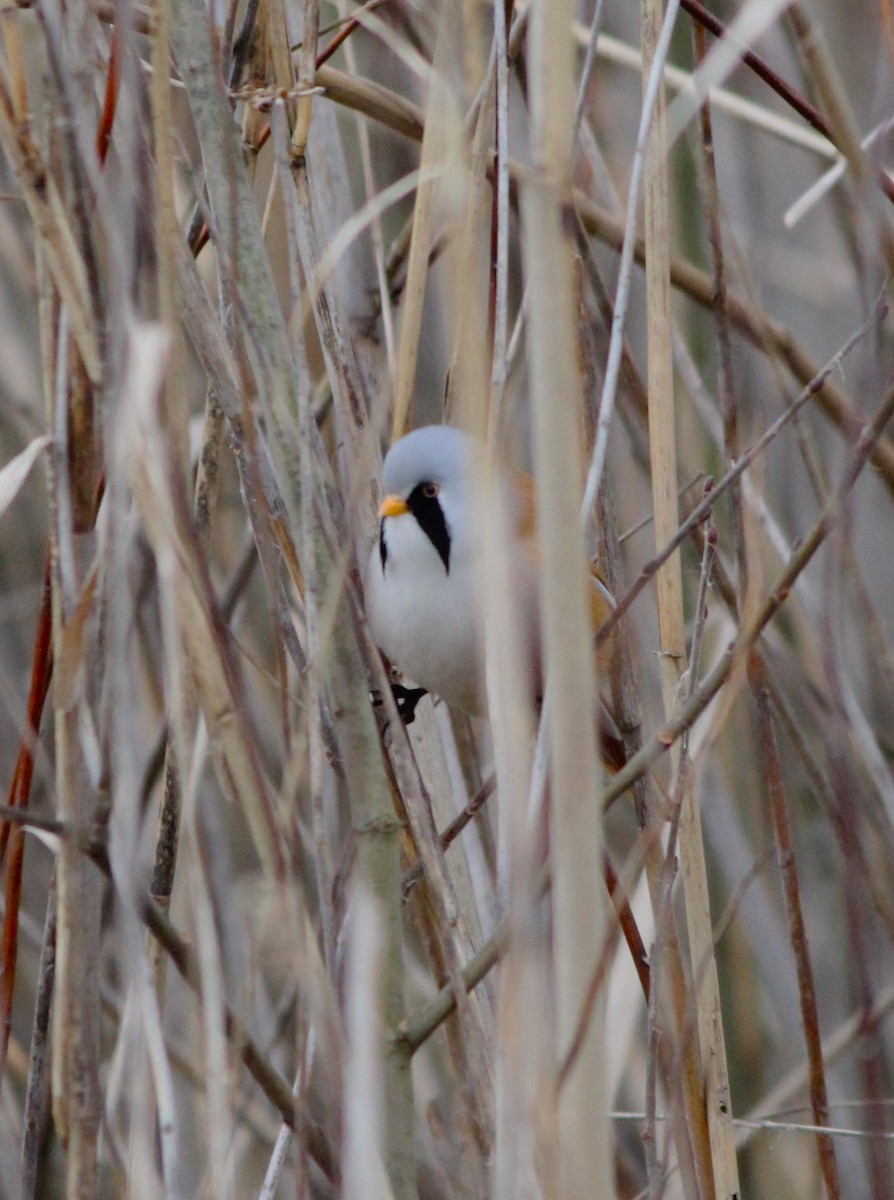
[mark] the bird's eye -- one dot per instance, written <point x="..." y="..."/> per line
<point x="430" y="490"/>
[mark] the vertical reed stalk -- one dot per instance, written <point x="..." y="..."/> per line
<point x="581" y="1155"/>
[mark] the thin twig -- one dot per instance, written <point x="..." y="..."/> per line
<point x="797" y="932"/>
<point x="37" y="1093"/>
<point x="625" y="271"/>
<point x="798" y="561"/>
<point x="701" y="510"/>
<point x="422" y="1027"/>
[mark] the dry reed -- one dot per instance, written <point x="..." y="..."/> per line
<point x="260" y="938"/>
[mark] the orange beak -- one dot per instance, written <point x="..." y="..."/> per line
<point x="393" y="506"/>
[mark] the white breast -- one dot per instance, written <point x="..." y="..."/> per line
<point x="425" y="618"/>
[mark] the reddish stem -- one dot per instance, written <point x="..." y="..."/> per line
<point x="110" y="101"/>
<point x="13" y="838"/>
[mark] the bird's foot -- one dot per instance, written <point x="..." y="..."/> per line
<point x="406" y="700"/>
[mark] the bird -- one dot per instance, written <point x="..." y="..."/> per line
<point x="421" y="584"/>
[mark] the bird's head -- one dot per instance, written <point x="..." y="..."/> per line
<point x="428" y="478"/>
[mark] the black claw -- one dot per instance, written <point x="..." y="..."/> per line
<point x="406" y="700"/>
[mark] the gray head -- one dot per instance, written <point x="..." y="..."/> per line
<point x="434" y="454"/>
<point x="430" y="474"/>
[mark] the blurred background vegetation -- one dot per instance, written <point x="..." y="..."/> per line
<point x="241" y="248"/>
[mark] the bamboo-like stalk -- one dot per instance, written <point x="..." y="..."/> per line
<point x="374" y="822"/>
<point x="76" y="1098"/>
<point x="522" y="1076"/>
<point x="710" y="1157"/>
<point x="38" y="1067"/>
<point x="363" y="1109"/>
<point x="306" y="74"/>
<point x="580" y="1156"/>
<point x="48" y="212"/>
<point x="710" y="1016"/>
<point x="373" y="818"/>
<point x="662" y="415"/>
<point x="434" y="148"/>
<point x="168" y="304"/>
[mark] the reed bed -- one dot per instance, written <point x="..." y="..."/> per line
<point x="260" y="937"/>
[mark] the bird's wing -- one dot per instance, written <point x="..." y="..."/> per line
<point x="602" y="604"/>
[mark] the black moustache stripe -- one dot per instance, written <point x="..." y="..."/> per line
<point x="428" y="512"/>
<point x="383" y="549"/>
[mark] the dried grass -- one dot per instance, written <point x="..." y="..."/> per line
<point x="259" y="938"/>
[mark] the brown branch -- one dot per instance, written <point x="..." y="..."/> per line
<point x="414" y="872"/>
<point x="797" y="932"/>
<point x="110" y="100"/>
<point x="352" y="24"/>
<point x="764" y="71"/>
